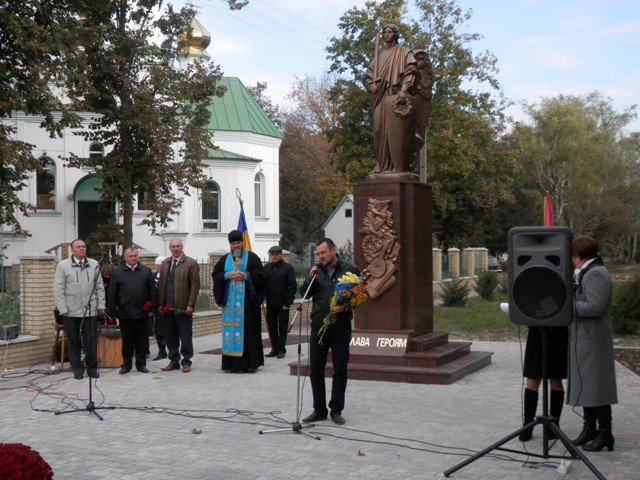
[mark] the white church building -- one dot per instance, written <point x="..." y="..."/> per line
<point x="68" y="203"/>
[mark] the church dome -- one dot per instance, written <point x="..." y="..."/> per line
<point x="199" y="40"/>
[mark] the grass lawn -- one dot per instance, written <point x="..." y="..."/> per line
<point x="478" y="315"/>
<point x="624" y="269"/>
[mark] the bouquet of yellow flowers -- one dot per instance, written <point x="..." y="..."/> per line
<point x="350" y="292"/>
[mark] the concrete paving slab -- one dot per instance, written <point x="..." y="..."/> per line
<point x="204" y="425"/>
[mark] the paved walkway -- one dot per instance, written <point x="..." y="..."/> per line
<point x="204" y="425"/>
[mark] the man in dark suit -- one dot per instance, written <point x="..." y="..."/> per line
<point x="337" y="336"/>
<point x="132" y="297"/>
<point x="281" y="292"/>
<point x="178" y="290"/>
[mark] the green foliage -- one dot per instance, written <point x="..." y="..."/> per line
<point x="346" y="252"/>
<point x="34" y="44"/>
<point x="503" y="282"/>
<point x="10" y="308"/>
<point x="486" y="284"/>
<point x="626" y="308"/>
<point x="469" y="170"/>
<point x="151" y="114"/>
<point x="310" y="186"/>
<point x="454" y="292"/>
<point x="576" y="149"/>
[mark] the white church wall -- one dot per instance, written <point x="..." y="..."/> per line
<point x="51" y="227"/>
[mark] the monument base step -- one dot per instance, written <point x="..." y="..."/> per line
<point x="444" y="374"/>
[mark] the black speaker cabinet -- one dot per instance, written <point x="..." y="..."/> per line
<point x="540" y="276"/>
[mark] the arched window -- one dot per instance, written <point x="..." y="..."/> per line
<point x="46" y="185"/>
<point x="96" y="150"/>
<point x="258" y="187"/>
<point x="211" y="206"/>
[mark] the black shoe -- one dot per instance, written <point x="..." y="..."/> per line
<point x="142" y="369"/>
<point x="94" y="374"/>
<point x="281" y="355"/>
<point x="603" y="439"/>
<point x="337" y="418"/>
<point x="161" y="356"/>
<point x="78" y="375"/>
<point x="526" y="435"/>
<point x="272" y="353"/>
<point x="315" y="417"/>
<point x="124" y="370"/>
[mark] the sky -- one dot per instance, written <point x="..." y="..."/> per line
<point x="543" y="47"/>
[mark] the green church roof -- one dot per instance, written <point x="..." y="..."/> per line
<point x="237" y="111"/>
<point x="219" y="153"/>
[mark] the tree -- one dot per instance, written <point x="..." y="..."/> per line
<point x="310" y="186"/>
<point x="34" y="42"/>
<point x="149" y="111"/>
<point x="259" y="94"/>
<point x="468" y="167"/>
<point x="577" y="151"/>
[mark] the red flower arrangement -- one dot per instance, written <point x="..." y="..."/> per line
<point x="147" y="305"/>
<point x="168" y="309"/>
<point x="18" y="461"/>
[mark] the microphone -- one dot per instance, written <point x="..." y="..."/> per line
<point x="102" y="259"/>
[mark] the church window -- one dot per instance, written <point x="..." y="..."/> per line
<point x="258" y="186"/>
<point x="46" y="185"/>
<point x="96" y="150"/>
<point x="211" y="206"/>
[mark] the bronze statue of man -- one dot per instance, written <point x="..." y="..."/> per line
<point x="399" y="102"/>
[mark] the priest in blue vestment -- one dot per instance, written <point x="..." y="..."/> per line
<point x="239" y="283"/>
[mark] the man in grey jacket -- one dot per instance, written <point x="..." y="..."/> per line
<point x="72" y="291"/>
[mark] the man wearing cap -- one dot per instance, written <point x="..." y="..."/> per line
<point x="178" y="290"/>
<point x="239" y="282"/>
<point x="159" y="329"/>
<point x="281" y="291"/>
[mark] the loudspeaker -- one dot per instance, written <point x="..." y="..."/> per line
<point x="540" y="276"/>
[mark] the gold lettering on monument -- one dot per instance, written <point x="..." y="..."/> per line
<point x="380" y="247"/>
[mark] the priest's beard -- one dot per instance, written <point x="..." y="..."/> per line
<point x="237" y="253"/>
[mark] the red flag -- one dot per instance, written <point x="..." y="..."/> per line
<point x="548" y="220"/>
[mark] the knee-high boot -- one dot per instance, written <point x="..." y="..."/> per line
<point x="530" y="407"/>
<point x="589" y="431"/>
<point x="555" y="409"/>
<point x="604" y="437"/>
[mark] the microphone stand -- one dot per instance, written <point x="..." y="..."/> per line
<point x="296" y="426"/>
<point x="86" y="316"/>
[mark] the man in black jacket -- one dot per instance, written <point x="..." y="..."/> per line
<point x="281" y="292"/>
<point x="132" y="298"/>
<point x="337" y="337"/>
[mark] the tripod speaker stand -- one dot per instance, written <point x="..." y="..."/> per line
<point x="296" y="426"/>
<point x="540" y="294"/>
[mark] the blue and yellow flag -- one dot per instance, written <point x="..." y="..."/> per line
<point x="242" y="228"/>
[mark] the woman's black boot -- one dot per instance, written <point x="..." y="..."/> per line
<point x="589" y="431"/>
<point x="603" y="438"/>
<point x="555" y="409"/>
<point x="530" y="407"/>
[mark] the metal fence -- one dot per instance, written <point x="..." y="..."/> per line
<point x="11" y="311"/>
<point x="205" y="301"/>
<point x="446" y="270"/>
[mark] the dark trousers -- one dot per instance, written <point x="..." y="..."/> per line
<point x="179" y="338"/>
<point x="72" y="327"/>
<point x="337" y="339"/>
<point x="278" y="323"/>
<point x="134" y="339"/>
